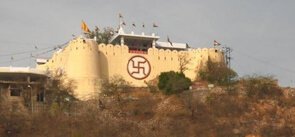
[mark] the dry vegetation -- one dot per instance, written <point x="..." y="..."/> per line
<point x="252" y="109"/>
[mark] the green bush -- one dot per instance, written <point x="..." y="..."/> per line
<point x="173" y="82"/>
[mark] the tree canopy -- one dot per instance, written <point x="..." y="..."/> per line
<point x="217" y="73"/>
<point x="102" y="36"/>
<point x="173" y="82"/>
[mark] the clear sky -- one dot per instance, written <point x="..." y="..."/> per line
<point x="260" y="32"/>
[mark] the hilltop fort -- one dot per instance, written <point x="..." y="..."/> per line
<point x="138" y="58"/>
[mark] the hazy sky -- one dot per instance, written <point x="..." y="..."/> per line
<point x="261" y="32"/>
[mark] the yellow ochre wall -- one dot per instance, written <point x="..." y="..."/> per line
<point x="87" y="63"/>
<point x="79" y="61"/>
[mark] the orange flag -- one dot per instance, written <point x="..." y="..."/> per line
<point x="84" y="27"/>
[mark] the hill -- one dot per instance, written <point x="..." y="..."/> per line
<point x="250" y="108"/>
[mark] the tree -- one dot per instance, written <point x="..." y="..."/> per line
<point x="261" y="87"/>
<point x="114" y="86"/>
<point x="184" y="60"/>
<point x="217" y="73"/>
<point x="190" y="102"/>
<point x="60" y="93"/>
<point x="102" y="36"/>
<point x="173" y="82"/>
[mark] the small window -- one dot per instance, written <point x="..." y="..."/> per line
<point x="40" y="96"/>
<point x="84" y="41"/>
<point x="15" y="92"/>
<point x="216" y="51"/>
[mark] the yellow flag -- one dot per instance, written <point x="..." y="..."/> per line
<point x="84" y="27"/>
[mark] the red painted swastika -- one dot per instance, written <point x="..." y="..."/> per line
<point x="138" y="67"/>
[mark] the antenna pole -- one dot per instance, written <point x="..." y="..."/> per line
<point x="227" y="52"/>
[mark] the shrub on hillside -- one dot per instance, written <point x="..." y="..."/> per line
<point x="217" y="73"/>
<point x="114" y="85"/>
<point x="60" y="93"/>
<point x="152" y="85"/>
<point x="173" y="82"/>
<point x="261" y="86"/>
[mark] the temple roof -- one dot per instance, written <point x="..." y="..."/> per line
<point x="147" y="38"/>
<point x="171" y="45"/>
<point x="131" y="35"/>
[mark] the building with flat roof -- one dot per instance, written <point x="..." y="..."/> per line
<point x="22" y="86"/>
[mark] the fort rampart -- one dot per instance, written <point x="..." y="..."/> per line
<point x="87" y="63"/>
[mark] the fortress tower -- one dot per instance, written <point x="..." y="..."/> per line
<point x="79" y="62"/>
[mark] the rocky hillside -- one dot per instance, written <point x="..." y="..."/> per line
<point x="259" y="110"/>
